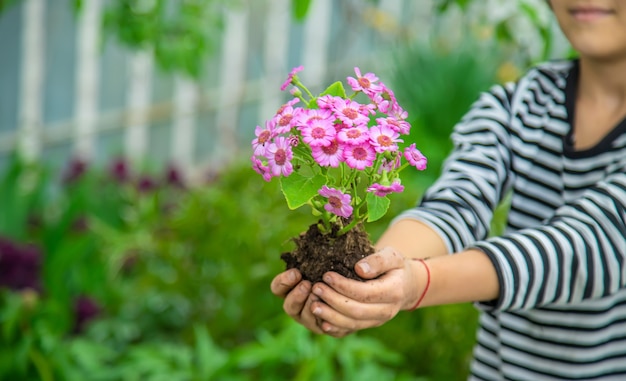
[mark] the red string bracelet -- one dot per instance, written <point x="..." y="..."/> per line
<point x="427" y="284"/>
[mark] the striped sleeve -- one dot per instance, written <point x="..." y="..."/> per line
<point x="579" y="254"/>
<point x="478" y="170"/>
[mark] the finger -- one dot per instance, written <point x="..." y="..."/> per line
<point x="379" y="263"/>
<point x="284" y="282"/>
<point x="297" y="304"/>
<point x="295" y="301"/>
<point x="339" y="305"/>
<point x="338" y="324"/>
<point x="308" y="319"/>
<point x="384" y="289"/>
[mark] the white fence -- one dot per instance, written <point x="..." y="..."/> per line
<point x="64" y="93"/>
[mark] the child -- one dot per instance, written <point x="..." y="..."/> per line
<point x="552" y="289"/>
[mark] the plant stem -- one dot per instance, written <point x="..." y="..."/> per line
<point x="348" y="227"/>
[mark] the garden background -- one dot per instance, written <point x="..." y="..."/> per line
<point x="136" y="242"/>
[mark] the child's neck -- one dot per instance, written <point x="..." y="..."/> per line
<point x="603" y="81"/>
<point x="600" y="101"/>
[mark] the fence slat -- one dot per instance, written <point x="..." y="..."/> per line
<point x="184" y="123"/>
<point x="316" y="40"/>
<point x="32" y="76"/>
<point x="276" y="45"/>
<point x="232" y="86"/>
<point x="138" y="103"/>
<point x="88" y="78"/>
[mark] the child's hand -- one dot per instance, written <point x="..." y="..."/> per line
<point x="298" y="298"/>
<point x="395" y="283"/>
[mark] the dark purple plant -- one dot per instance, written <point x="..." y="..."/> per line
<point x="146" y="184"/>
<point x="85" y="310"/>
<point x="119" y="170"/>
<point x="174" y="177"/>
<point x="20" y="265"/>
<point x="75" y="169"/>
<point x="80" y="224"/>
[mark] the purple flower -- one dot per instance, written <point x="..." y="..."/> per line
<point x="85" y="310"/>
<point x="338" y="202"/>
<point x="415" y="157"/>
<point x="383" y="190"/>
<point x="289" y="79"/>
<point x="359" y="157"/>
<point x="384" y="138"/>
<point x="279" y="155"/>
<point x="74" y="171"/>
<point x="146" y="184"/>
<point x="329" y="156"/>
<point x="119" y="170"/>
<point x="365" y="83"/>
<point x="320" y="133"/>
<point x="19" y="265"/>
<point x="261" y="168"/>
<point x="174" y="177"/>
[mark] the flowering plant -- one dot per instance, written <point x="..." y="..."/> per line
<point x="336" y="152"/>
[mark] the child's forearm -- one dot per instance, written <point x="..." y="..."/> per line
<point x="464" y="277"/>
<point x="413" y="239"/>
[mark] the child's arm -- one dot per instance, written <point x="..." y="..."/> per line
<point x="578" y="255"/>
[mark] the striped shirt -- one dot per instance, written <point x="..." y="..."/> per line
<point x="561" y="311"/>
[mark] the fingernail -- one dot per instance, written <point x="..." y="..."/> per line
<point x="365" y="267"/>
<point x="304" y="287"/>
<point x="291" y="276"/>
<point x="328" y="279"/>
<point x="317" y="291"/>
<point x="317" y="311"/>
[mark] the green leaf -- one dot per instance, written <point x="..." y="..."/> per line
<point x="300" y="9"/>
<point x="209" y="357"/>
<point x="336" y="89"/>
<point x="299" y="190"/>
<point x="376" y="206"/>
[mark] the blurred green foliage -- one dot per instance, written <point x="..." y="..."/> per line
<point x="180" y="34"/>
<point x="180" y="278"/>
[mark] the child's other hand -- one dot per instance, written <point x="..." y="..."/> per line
<point x="346" y="306"/>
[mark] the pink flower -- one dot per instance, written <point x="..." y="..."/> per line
<point x="338" y="202"/>
<point x="389" y="165"/>
<point x="318" y="133"/>
<point x="327" y="101"/>
<point x="401" y="126"/>
<point x="285" y="119"/>
<point x="279" y="155"/>
<point x="398" y="112"/>
<point x="289" y="79"/>
<point x="339" y="126"/>
<point x="415" y="157"/>
<point x="383" y="139"/>
<point x="364" y="83"/>
<point x="359" y="157"/>
<point x="385" y="99"/>
<point x="264" y="137"/>
<point x="329" y="156"/>
<point x="308" y="116"/>
<point x="353" y="135"/>
<point x="293" y="140"/>
<point x="260" y="168"/>
<point x="383" y="190"/>
<point x="350" y="112"/>
<point x="383" y="105"/>
<point x="291" y="103"/>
